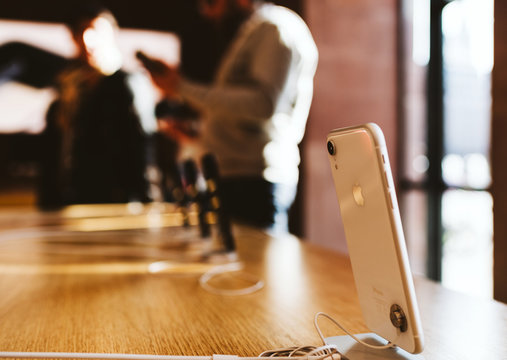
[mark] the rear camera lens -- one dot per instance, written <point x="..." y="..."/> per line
<point x="330" y="148"/>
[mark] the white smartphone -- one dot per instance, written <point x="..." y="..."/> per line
<point x="369" y="210"/>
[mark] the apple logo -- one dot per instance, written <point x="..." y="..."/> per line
<point x="357" y="192"/>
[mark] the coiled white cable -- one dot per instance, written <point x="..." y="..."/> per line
<point x="204" y="280"/>
<point x="304" y="351"/>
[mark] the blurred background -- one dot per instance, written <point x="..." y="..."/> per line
<point x="424" y="70"/>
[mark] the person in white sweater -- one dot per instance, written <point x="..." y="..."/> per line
<point x="256" y="109"/>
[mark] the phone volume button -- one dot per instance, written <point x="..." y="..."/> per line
<point x="390" y="197"/>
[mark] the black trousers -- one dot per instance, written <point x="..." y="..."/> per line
<point x="257" y="202"/>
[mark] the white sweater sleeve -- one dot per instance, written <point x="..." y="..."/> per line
<point x="255" y="93"/>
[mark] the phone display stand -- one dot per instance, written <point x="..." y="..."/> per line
<point x="355" y="351"/>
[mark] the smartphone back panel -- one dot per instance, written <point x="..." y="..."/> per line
<point x="374" y="234"/>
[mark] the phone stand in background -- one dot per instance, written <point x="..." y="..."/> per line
<point x="355" y="351"/>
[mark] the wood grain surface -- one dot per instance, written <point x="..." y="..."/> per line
<point x="92" y="291"/>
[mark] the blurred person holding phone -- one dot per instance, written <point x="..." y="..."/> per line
<point x="255" y="110"/>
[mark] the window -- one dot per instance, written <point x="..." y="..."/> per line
<point x="447" y="210"/>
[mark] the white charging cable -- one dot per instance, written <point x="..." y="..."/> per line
<point x="389" y="345"/>
<point x="302" y="353"/>
<point x="235" y="267"/>
<point x="63" y="355"/>
<point x="69" y="355"/>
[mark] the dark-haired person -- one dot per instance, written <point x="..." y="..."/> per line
<point x="95" y="141"/>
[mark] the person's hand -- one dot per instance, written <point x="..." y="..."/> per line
<point x="168" y="80"/>
<point x="165" y="77"/>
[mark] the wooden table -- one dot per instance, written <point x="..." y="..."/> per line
<point x="71" y="282"/>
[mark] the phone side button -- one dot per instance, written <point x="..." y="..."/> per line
<point x="385" y="177"/>
<point x="390" y="197"/>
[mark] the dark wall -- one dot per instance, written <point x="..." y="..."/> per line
<point x="151" y="14"/>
